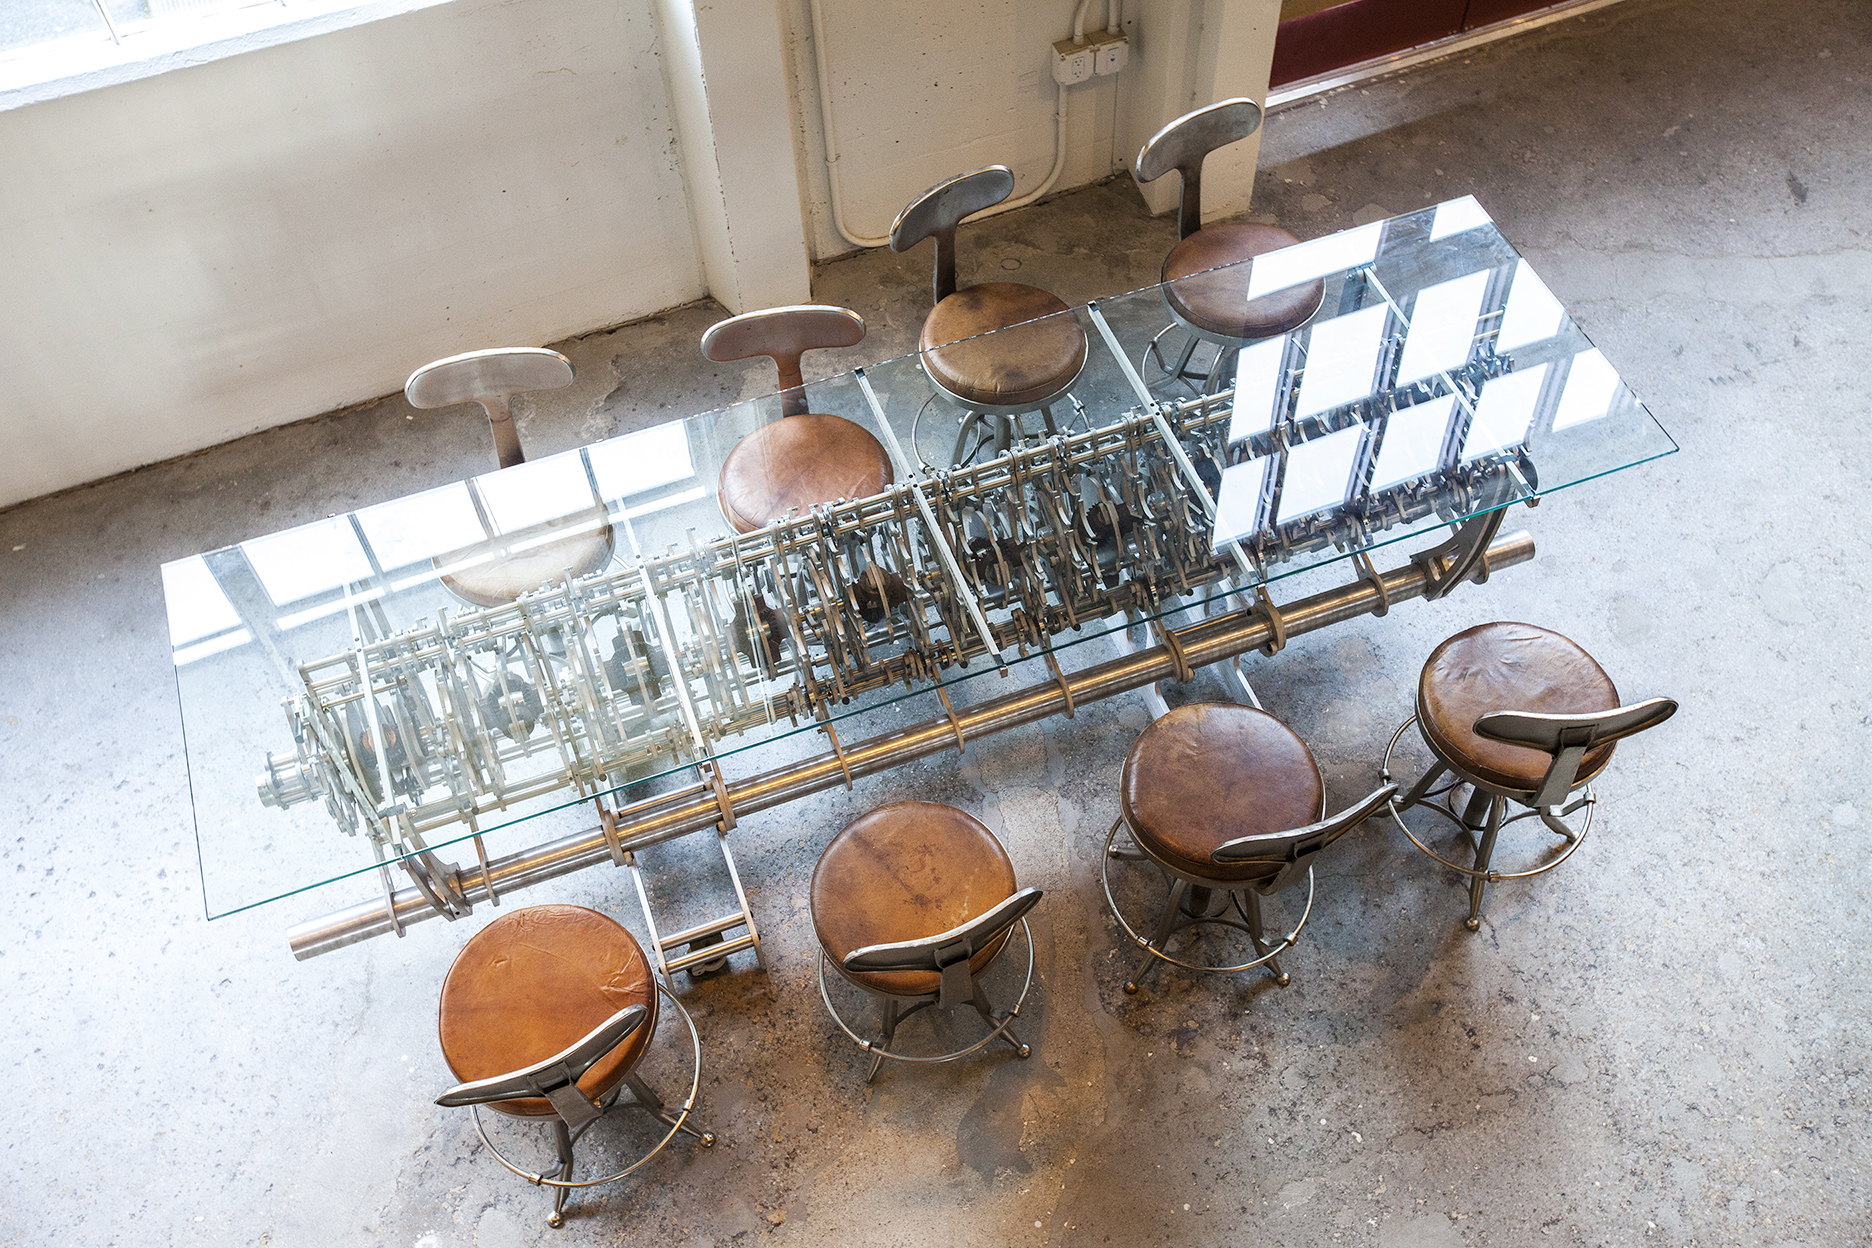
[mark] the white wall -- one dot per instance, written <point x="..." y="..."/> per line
<point x="210" y="251"/>
<point x="194" y="256"/>
<point x="921" y="92"/>
<point x="728" y="86"/>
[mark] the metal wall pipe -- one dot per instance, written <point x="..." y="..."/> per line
<point x="664" y="818"/>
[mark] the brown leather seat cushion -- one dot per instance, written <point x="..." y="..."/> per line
<point x="1030" y="364"/>
<point x="507" y="573"/>
<point x="798" y="462"/>
<point x="1209" y="772"/>
<point x="1508" y="667"/>
<point x="903" y="872"/>
<point x="530" y="984"/>
<point x="1218" y="302"/>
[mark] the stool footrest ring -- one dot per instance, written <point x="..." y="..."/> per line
<point x="879" y="1052"/>
<point x="1286" y="942"/>
<point x="679" y="1122"/>
<point x="1548" y="816"/>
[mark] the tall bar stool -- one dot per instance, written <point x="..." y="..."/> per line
<point x="546" y="1013"/>
<point x="806" y="458"/>
<point x="912" y="902"/>
<point x="997" y="379"/>
<point x="1214" y="307"/>
<point x="1223" y="799"/>
<point x="499" y="570"/>
<point x="1515" y="713"/>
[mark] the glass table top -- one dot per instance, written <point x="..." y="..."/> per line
<point x="362" y="688"/>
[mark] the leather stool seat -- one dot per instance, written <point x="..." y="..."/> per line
<point x="1508" y="667"/>
<point x="1217" y="303"/>
<point x="1033" y="364"/>
<point x="903" y="872"/>
<point x="496" y="581"/>
<point x="796" y="463"/>
<point x="530" y="984"/>
<point x="1210" y="772"/>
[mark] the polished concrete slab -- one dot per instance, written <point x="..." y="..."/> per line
<point x="1662" y="1042"/>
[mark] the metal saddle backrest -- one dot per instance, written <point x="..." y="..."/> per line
<point x="936" y="213"/>
<point x="1292" y="852"/>
<point x="490" y="378"/>
<point x="1184" y="143"/>
<point x="947" y="953"/>
<point x="783" y="335"/>
<point x="557" y="1077"/>
<point x="1569" y="737"/>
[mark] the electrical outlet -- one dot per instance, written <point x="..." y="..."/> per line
<point x="1073" y="62"/>
<point x="1111" y="52"/>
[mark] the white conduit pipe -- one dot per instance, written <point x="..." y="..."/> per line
<point x="831" y="148"/>
<point x="1111" y="19"/>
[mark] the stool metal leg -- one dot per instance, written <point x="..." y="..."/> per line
<point x="651" y="1103"/>
<point x="1165" y="925"/>
<point x="1197" y="901"/>
<point x="1423" y="786"/>
<point x="1249" y="903"/>
<point x="1476" y="811"/>
<point x="1485" y="850"/>
<point x="1215" y="371"/>
<point x="969" y="423"/>
<point x="890" y="1031"/>
<point x="562" y="1137"/>
<point x="986" y="1010"/>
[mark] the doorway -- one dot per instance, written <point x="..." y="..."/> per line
<point x="1319" y="36"/>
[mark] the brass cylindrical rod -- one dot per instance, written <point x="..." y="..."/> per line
<point x="664" y="818"/>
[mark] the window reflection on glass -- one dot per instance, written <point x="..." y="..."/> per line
<point x="1348" y="249"/>
<point x="1532" y="313"/>
<point x="1590" y="385"/>
<point x="1456" y="215"/>
<point x="1238" y="508"/>
<point x="1318" y="473"/>
<point x="307" y="560"/>
<point x="1342" y="356"/>
<point x="1413" y="442"/>
<point x="642" y="461"/>
<point x="421" y="526"/>
<point x="1442" y="327"/>
<point x="294" y="619"/>
<point x="1504" y="412"/>
<point x="199" y="609"/>
<point x="535" y="492"/>
<point x="1257" y="385"/>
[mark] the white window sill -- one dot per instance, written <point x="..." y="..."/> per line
<point x="49" y="71"/>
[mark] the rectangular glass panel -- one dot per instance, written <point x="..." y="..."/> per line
<point x="353" y="691"/>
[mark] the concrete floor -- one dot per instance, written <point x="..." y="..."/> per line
<point x="1665" y="1041"/>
